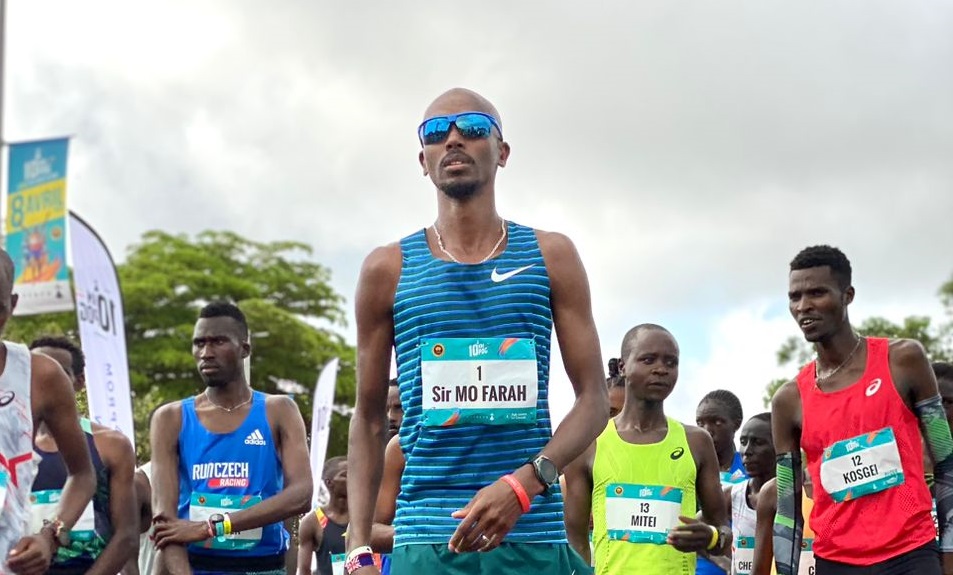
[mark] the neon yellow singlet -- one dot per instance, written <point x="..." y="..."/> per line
<point x="642" y="484"/>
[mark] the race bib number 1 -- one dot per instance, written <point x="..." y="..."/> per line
<point x="861" y="465"/>
<point x="642" y="513"/>
<point x="489" y="381"/>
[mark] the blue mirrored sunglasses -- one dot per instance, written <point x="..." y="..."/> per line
<point x="471" y="125"/>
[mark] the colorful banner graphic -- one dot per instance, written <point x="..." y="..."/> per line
<point x="36" y="226"/>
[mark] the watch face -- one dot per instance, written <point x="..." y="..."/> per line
<point x="548" y="473"/>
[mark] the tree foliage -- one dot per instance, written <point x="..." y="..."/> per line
<point x="166" y="279"/>
<point x="936" y="337"/>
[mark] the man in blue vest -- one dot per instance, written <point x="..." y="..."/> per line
<point x="245" y="457"/>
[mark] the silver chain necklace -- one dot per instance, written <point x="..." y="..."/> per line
<point x="228" y="409"/>
<point x="499" y="242"/>
<point x="817" y="375"/>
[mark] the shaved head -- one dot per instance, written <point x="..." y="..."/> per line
<point x="461" y="99"/>
<point x="632" y="335"/>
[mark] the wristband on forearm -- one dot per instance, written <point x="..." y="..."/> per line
<point x="521" y="494"/>
<point x="359" y="557"/>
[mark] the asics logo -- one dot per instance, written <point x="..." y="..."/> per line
<point x="677" y="453"/>
<point x="873" y="388"/>
<point x="255" y="438"/>
<point x="497" y="277"/>
<point x="6" y="398"/>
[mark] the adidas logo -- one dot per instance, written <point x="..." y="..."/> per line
<point x="255" y="438"/>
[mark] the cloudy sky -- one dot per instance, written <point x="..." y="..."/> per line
<point x="689" y="148"/>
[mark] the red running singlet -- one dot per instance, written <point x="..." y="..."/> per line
<point x="868" y="525"/>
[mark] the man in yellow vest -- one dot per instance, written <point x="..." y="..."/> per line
<point x="641" y="478"/>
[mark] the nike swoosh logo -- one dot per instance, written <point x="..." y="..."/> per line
<point x="498" y="277"/>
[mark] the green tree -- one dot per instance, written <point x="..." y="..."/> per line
<point x="292" y="312"/>
<point x="936" y="338"/>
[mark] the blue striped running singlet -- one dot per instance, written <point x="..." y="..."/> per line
<point x="447" y="465"/>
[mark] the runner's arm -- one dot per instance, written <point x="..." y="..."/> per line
<point x="788" y="522"/>
<point x="53" y="400"/>
<point x="578" y="502"/>
<point x="292" y="443"/>
<point x="912" y="369"/>
<point x="118" y="456"/>
<point x="382" y="533"/>
<point x="164" y="440"/>
<point x="582" y="357"/>
<point x="767" y="507"/>
<point x="715" y="507"/>
<point x="374" y="303"/>
<point x="309" y="539"/>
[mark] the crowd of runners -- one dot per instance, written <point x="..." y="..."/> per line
<point x="453" y="467"/>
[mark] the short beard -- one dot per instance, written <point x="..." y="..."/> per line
<point x="214" y="381"/>
<point x="459" y="190"/>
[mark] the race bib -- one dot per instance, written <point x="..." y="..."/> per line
<point x="806" y="564"/>
<point x="742" y="555"/>
<point x="204" y="505"/>
<point x="861" y="465"/>
<point x="4" y="481"/>
<point x="44" y="506"/>
<point x="642" y="513"/>
<point x="490" y="381"/>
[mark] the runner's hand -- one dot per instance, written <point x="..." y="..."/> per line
<point x="31" y="555"/>
<point x="486" y="519"/>
<point x="947" y="563"/>
<point x="692" y="537"/>
<point x="178" y="532"/>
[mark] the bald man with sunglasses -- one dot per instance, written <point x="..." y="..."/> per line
<point x="470" y="304"/>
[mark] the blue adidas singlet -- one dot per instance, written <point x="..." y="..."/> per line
<point x="227" y="472"/>
<point x="437" y="302"/>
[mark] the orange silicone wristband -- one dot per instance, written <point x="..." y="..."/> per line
<point x="521" y="494"/>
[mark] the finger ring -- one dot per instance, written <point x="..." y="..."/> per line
<point x="484" y="538"/>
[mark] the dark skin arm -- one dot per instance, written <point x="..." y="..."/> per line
<point x="763" y="544"/>
<point x="118" y="455"/>
<point x="695" y="535"/>
<point x="578" y="502"/>
<point x="164" y="438"/>
<point x="495" y="508"/>
<point x="915" y="381"/>
<point x="53" y="403"/>
<point x="374" y="303"/>
<point x="382" y="533"/>
<point x="294" y="499"/>
<point x="310" y="534"/>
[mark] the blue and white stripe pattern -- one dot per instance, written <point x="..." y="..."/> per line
<point x="446" y="466"/>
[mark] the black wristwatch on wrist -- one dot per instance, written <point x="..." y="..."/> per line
<point x="546" y="472"/>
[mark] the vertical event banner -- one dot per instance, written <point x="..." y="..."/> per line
<point x="323" y="401"/>
<point x="36" y="226"/>
<point x="101" y="329"/>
